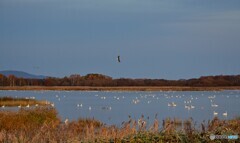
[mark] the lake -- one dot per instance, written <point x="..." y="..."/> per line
<point x="114" y="107"/>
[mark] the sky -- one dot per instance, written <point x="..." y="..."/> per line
<point x="170" y="39"/>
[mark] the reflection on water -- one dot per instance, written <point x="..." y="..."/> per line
<point x="113" y="107"/>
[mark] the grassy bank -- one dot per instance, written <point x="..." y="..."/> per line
<point x="10" y="102"/>
<point x="122" y="88"/>
<point x="44" y="125"/>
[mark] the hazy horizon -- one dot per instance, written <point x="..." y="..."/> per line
<point x="167" y="39"/>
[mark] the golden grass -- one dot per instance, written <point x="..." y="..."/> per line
<point x="43" y="125"/>
<point x="10" y="102"/>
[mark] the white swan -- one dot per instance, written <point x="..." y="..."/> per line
<point x="225" y="114"/>
<point x="214" y="105"/>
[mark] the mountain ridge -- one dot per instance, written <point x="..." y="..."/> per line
<point x="21" y="74"/>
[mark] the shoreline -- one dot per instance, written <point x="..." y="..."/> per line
<point x="122" y="88"/>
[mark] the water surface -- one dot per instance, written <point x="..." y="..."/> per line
<point x="114" y="107"/>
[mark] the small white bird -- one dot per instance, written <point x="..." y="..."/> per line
<point x="192" y="107"/>
<point x="66" y="121"/>
<point x="225" y="114"/>
<point x="215" y="113"/>
<point x="174" y="104"/>
<point x="28" y="106"/>
<point x="89" y="108"/>
<point x="214" y="105"/>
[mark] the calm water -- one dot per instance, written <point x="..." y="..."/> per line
<point x="114" y="107"/>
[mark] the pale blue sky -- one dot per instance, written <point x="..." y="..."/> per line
<point x="170" y="39"/>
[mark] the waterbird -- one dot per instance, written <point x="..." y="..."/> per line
<point x="89" y="108"/>
<point x="32" y="97"/>
<point x="187" y="107"/>
<point x="106" y="108"/>
<point x="215" y="113"/>
<point x="172" y="104"/>
<point x="28" y="106"/>
<point x="211" y="97"/>
<point x="103" y="97"/>
<point x="66" y="121"/>
<point x="135" y="101"/>
<point x="214" y="105"/>
<point x="19" y="106"/>
<point x="225" y="114"/>
<point x="118" y="58"/>
<point x="192" y="107"/>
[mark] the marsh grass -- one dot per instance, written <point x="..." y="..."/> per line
<point x="12" y="102"/>
<point x="43" y="125"/>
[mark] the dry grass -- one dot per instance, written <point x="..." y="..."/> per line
<point x="43" y="125"/>
<point x="9" y="101"/>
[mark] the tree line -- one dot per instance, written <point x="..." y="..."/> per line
<point x="103" y="80"/>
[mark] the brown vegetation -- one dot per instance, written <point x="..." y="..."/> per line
<point x="98" y="80"/>
<point x="43" y="125"/>
<point x="121" y="88"/>
<point x="9" y="101"/>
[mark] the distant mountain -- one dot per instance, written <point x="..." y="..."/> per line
<point x="22" y="74"/>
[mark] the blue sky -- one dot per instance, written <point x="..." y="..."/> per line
<point x="169" y="39"/>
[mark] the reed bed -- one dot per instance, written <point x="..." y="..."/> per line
<point x="42" y="124"/>
<point x="11" y="102"/>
